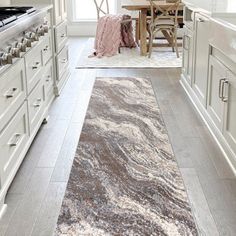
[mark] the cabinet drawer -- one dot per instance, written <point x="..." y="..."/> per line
<point x="12" y="142"/>
<point x="33" y="61"/>
<point x="61" y="36"/>
<point x="48" y="83"/>
<point x="47" y="48"/>
<point x="36" y="106"/>
<point x="62" y="61"/>
<point x="12" y="91"/>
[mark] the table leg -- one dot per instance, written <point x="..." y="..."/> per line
<point x="143" y="32"/>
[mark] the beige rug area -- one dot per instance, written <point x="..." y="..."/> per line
<point x="162" y="57"/>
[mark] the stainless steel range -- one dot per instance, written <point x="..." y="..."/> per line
<point x="9" y="14"/>
<point x="20" y="28"/>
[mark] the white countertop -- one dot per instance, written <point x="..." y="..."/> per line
<point x="214" y="6"/>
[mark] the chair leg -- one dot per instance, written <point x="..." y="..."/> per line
<point x="176" y="43"/>
<point x="137" y="31"/>
<point x="173" y="41"/>
<point x="150" y="44"/>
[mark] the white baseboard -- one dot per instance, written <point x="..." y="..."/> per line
<point x="3" y="210"/>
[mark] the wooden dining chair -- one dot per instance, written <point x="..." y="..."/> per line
<point x="102" y="7"/>
<point x="163" y="19"/>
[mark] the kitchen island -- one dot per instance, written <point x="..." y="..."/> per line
<point x="209" y="68"/>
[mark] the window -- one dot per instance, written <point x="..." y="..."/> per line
<point x="85" y="10"/>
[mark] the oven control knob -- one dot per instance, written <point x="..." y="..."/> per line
<point x="31" y="36"/>
<point x="5" y="58"/>
<point x="15" y="52"/>
<point x="45" y="28"/>
<point x="22" y="46"/>
<point x="40" y="31"/>
<point x="34" y="36"/>
<point x="19" y="45"/>
<point x="26" y="43"/>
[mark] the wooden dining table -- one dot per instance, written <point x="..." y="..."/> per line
<point x="142" y="6"/>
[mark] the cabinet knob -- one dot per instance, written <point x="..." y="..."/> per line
<point x="15" y="140"/>
<point x="10" y="94"/>
<point x="200" y="20"/>
<point x="38" y="103"/>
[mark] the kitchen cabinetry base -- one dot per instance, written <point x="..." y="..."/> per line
<point x="5" y="187"/>
<point x="227" y="152"/>
<point x="62" y="83"/>
<point x="3" y="208"/>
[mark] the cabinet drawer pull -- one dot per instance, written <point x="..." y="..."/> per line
<point x="15" y="140"/>
<point x="200" y="20"/>
<point x="48" y="78"/>
<point x="38" y="103"/>
<point x="63" y="35"/>
<point x="36" y="66"/>
<point x="10" y="94"/>
<point x="186" y="42"/>
<point x="220" y="88"/>
<point x="224" y="97"/>
<point x="64" y="61"/>
<point x="46" y="49"/>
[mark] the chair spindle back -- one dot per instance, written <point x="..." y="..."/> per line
<point x="169" y="12"/>
<point x="102" y="7"/>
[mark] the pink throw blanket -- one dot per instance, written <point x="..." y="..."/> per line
<point x="111" y="34"/>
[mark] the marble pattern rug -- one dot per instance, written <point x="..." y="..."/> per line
<point x="162" y="57"/>
<point x="125" y="179"/>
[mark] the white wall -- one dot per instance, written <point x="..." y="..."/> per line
<point x="4" y="2"/>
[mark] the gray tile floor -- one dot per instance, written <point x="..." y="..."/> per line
<point x="36" y="194"/>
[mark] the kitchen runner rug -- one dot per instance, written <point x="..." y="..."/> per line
<point x="162" y="57"/>
<point x="125" y="179"/>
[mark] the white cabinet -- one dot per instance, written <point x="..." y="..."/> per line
<point x="47" y="47"/>
<point x="229" y="97"/>
<point x="216" y="80"/>
<point x="61" y="36"/>
<point x="26" y="92"/>
<point x="12" y="141"/>
<point x="202" y="25"/>
<point x="60" y="11"/>
<point x="36" y="107"/>
<point x="209" y="76"/>
<point x="57" y="12"/>
<point x="63" y="9"/>
<point x="187" y="67"/>
<point x="34" y="65"/>
<point x="12" y="91"/>
<point x="222" y="100"/>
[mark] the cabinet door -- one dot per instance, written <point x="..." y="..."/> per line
<point x="202" y="25"/>
<point x="215" y="105"/>
<point x="63" y="9"/>
<point x="57" y="11"/>
<point x="187" y="67"/>
<point x="230" y="111"/>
